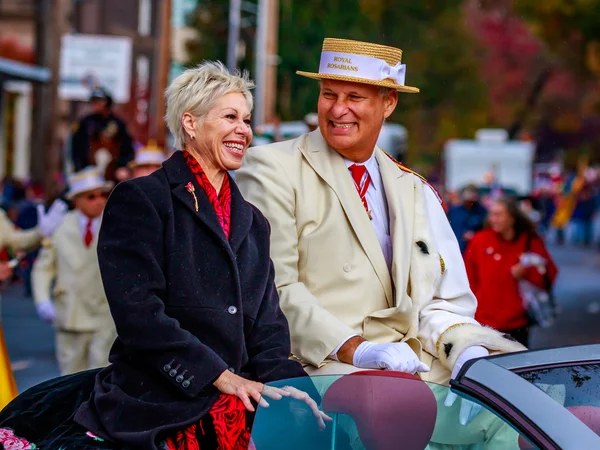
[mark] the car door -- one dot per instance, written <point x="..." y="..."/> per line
<point x="551" y="396"/>
<point x="378" y="410"/>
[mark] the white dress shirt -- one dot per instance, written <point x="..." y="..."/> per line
<point x="83" y="221"/>
<point x="377" y="202"/>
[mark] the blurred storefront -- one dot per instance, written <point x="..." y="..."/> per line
<point x="17" y="73"/>
<point x="27" y="32"/>
<point x="15" y="115"/>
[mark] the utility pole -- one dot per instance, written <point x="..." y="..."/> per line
<point x="51" y="22"/>
<point x="158" y="126"/>
<point x="40" y="91"/>
<point x="260" y="70"/>
<point x="265" y="76"/>
<point x="233" y="36"/>
<point x="272" y="60"/>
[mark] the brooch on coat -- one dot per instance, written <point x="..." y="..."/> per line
<point x="190" y="188"/>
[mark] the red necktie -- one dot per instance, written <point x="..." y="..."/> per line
<point x="88" y="237"/>
<point x="362" y="180"/>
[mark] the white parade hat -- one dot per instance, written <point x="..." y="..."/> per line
<point x="361" y="62"/>
<point x="86" y="180"/>
<point x="150" y="155"/>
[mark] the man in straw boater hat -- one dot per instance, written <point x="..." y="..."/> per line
<point x="68" y="261"/>
<point x="368" y="270"/>
<point x="147" y="160"/>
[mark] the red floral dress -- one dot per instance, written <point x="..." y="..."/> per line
<point x="227" y="417"/>
<point x="10" y="441"/>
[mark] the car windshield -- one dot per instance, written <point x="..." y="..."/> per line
<point x="377" y="411"/>
<point x="576" y="387"/>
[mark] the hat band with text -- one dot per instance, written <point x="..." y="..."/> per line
<point x="361" y="66"/>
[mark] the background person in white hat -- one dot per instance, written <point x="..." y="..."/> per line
<point x="16" y="240"/>
<point x="79" y="311"/>
<point x="147" y="160"/>
<point x="368" y="270"/>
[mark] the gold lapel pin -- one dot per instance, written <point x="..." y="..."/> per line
<point x="190" y="188"/>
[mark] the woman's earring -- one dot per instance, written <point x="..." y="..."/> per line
<point x="192" y="137"/>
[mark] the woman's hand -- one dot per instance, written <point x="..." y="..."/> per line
<point x="6" y="272"/>
<point x="518" y="271"/>
<point x="232" y="384"/>
<point x="304" y="397"/>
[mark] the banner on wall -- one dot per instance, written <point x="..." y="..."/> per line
<point x="88" y="61"/>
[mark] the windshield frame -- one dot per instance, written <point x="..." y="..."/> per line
<point x="494" y="381"/>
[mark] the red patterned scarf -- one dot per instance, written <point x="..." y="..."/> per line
<point x="221" y="203"/>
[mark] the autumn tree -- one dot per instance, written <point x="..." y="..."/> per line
<point x="439" y="55"/>
<point x="570" y="30"/>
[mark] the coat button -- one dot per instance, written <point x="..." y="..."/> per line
<point x="186" y="384"/>
<point x="167" y="367"/>
<point x="347" y="267"/>
<point x="179" y="378"/>
<point x="232" y="310"/>
<point x="172" y="373"/>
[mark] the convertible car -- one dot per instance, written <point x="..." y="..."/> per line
<point x="545" y="399"/>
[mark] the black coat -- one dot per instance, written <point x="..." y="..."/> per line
<point x="187" y="303"/>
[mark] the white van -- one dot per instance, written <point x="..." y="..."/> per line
<point x="469" y="161"/>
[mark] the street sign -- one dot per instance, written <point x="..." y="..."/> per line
<point x="87" y="61"/>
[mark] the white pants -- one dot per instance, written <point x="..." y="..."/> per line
<point x="82" y="350"/>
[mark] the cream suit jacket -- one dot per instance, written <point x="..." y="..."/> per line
<point x="17" y="239"/>
<point x="330" y="271"/>
<point x="78" y="292"/>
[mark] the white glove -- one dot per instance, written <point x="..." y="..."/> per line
<point x="46" y="312"/>
<point x="396" y="356"/>
<point x="49" y="222"/>
<point x="468" y="409"/>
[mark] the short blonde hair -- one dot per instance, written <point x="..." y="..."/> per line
<point x="196" y="91"/>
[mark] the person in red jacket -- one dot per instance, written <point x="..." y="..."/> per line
<point x="493" y="265"/>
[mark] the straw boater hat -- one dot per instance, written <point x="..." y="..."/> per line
<point x="361" y="62"/>
<point x="150" y="155"/>
<point x="86" y="180"/>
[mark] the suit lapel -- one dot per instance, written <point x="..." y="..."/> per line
<point x="399" y="190"/>
<point x="241" y="218"/>
<point x="205" y="213"/>
<point x="330" y="166"/>
<point x="179" y="175"/>
<point x="73" y="240"/>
